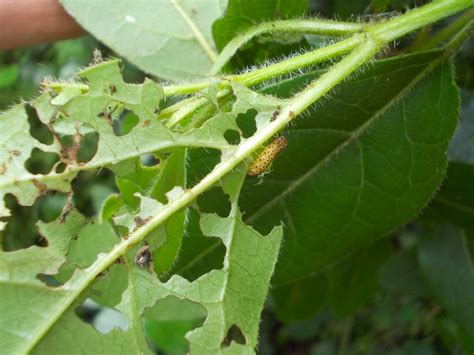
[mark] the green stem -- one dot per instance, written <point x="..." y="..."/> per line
<point x="313" y="26"/>
<point x="284" y="67"/>
<point x="418" y="18"/>
<point x="301" y="61"/>
<point x="185" y="89"/>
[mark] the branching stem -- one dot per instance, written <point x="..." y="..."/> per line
<point x="310" y="26"/>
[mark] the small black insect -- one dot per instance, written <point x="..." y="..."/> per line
<point x="143" y="257"/>
<point x="113" y="89"/>
<point x="274" y="115"/>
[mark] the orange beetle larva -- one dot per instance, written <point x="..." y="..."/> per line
<point x="265" y="158"/>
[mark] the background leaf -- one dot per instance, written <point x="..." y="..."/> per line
<point x="241" y="14"/>
<point x="446" y="264"/>
<point x="357" y="167"/>
<point x="454" y="202"/>
<point x="461" y="148"/>
<point x="167" y="38"/>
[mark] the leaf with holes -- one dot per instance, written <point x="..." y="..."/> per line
<point x="82" y="258"/>
<point x="233" y="296"/>
<point x="77" y="112"/>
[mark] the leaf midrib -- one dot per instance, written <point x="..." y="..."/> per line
<point x="205" y="45"/>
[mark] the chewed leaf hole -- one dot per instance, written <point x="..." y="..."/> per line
<point x="247" y="124"/>
<point x="125" y="123"/>
<point x="200" y="162"/>
<point x="168" y="321"/>
<point x="41" y="162"/>
<point x="38" y="129"/>
<point x="232" y="137"/>
<point x="199" y="254"/>
<point x="60" y="168"/>
<point x="214" y="201"/>
<point x="48" y="280"/>
<point x="88" y="147"/>
<point x="100" y="184"/>
<point x="71" y="145"/>
<point x="103" y="319"/>
<point x="234" y="334"/>
<point x="21" y="231"/>
<point x="149" y="160"/>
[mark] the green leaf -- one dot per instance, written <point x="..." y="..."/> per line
<point x="461" y="148"/>
<point x="155" y="182"/>
<point x="302" y="300"/>
<point x="354" y="281"/>
<point x="64" y="278"/>
<point x="343" y="288"/>
<point x="446" y="264"/>
<point x="23" y="294"/>
<point x="170" y="39"/>
<point x="454" y="202"/>
<point x="402" y="274"/>
<point x="349" y="9"/>
<point x="75" y="112"/>
<point x="241" y="14"/>
<point x="357" y="167"/>
<point x="232" y="296"/>
<point x="168" y="322"/>
<point x="93" y="239"/>
<point x="199" y="254"/>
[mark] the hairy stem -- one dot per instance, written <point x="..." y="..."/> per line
<point x="301" y="61"/>
<point x="418" y="18"/>
<point x="312" y="26"/>
<point x="386" y="32"/>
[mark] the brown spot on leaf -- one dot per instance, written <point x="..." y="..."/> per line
<point x="69" y="154"/>
<point x="42" y="188"/>
<point x="146" y="123"/>
<point x="140" y="221"/>
<point x="13" y="153"/>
